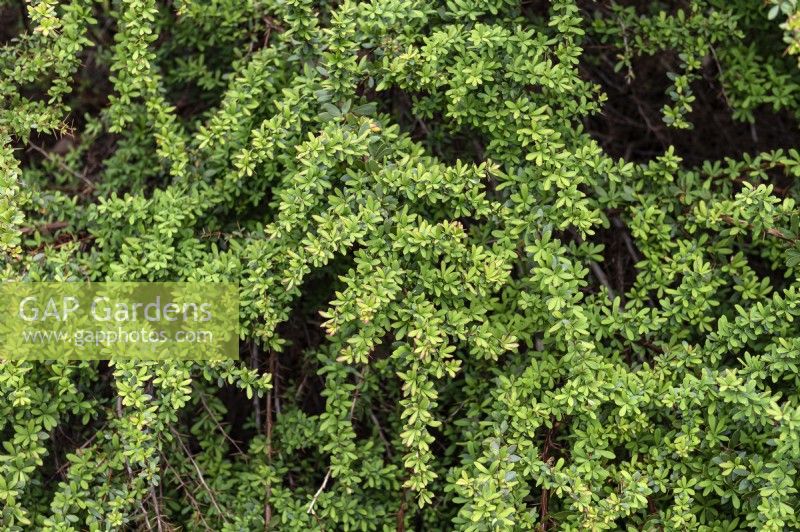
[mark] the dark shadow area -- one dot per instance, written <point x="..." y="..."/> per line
<point x="649" y="7"/>
<point x="630" y="125"/>
<point x="535" y="10"/>
<point x="90" y="97"/>
<point x="13" y="19"/>
<point x="303" y="330"/>
<point x="294" y="371"/>
<point x="446" y="144"/>
<point x="71" y="435"/>
<point x="619" y="256"/>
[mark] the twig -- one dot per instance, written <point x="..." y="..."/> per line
<point x="84" y="445"/>
<point x="596" y="269"/>
<point x="146" y="517"/>
<point x="50" y="157"/>
<point x="267" y="505"/>
<point x="545" y="457"/>
<point x="188" y="493"/>
<point x="627" y="56"/>
<point x="385" y="441"/>
<point x="199" y="472"/>
<point x="601" y="276"/>
<point x="254" y="364"/>
<point x="49" y="227"/>
<point x="543" y="508"/>
<point x="156" y="508"/>
<point x="746" y="225"/>
<point x="400" y="524"/>
<point x="619" y="224"/>
<point x="319" y="491"/>
<point x="719" y="69"/>
<point x="218" y="424"/>
<point x="349" y="417"/>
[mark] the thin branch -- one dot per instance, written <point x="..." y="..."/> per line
<point x="385" y="441"/>
<point x="199" y="472"/>
<point x="84" y="445"/>
<point x="254" y="364"/>
<point x="157" y="509"/>
<point x="350" y="418"/>
<point x="746" y="225"/>
<point x="218" y="424"/>
<point x="48" y="228"/>
<point x="319" y="491"/>
<point x="267" y="505"/>
<point x="596" y="269"/>
<point x="188" y="492"/>
<point x="54" y="159"/>
<point x="721" y="73"/>
<point x="626" y="237"/>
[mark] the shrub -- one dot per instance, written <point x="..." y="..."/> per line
<point x="503" y="265"/>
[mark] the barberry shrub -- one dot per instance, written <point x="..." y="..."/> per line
<point x="502" y="265"/>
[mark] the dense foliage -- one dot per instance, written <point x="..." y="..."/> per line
<point x="503" y="265"/>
